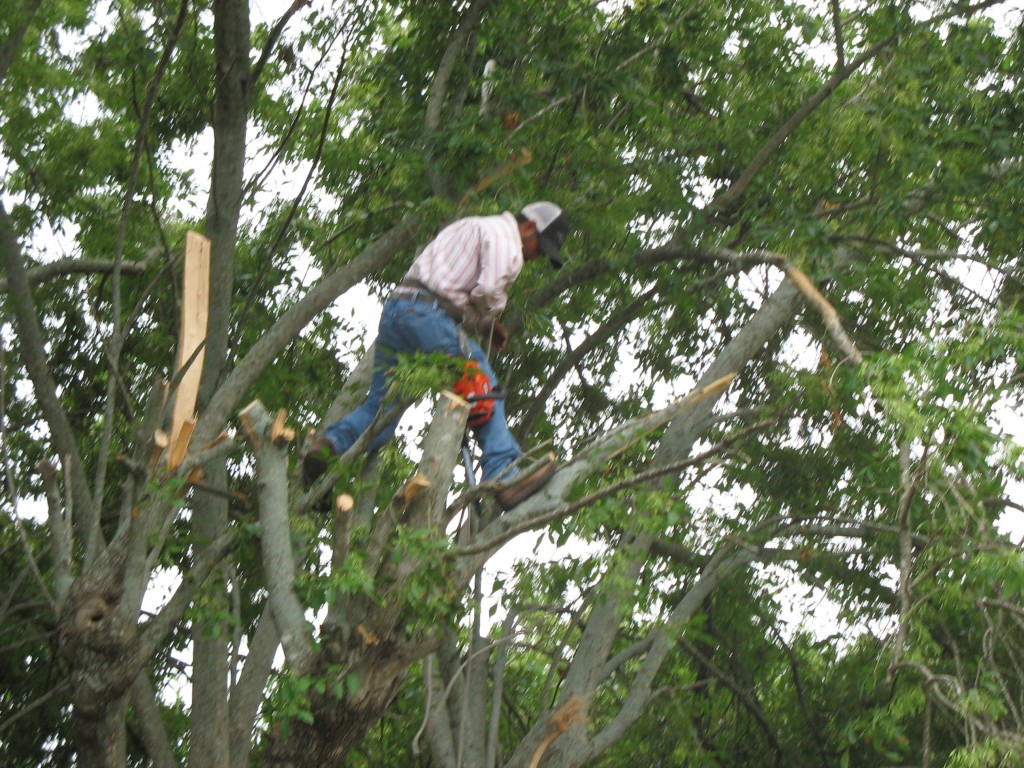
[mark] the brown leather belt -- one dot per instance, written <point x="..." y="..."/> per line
<point x="415" y="291"/>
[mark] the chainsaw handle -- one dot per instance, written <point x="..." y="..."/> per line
<point x="498" y="393"/>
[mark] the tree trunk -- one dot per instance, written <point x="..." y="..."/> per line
<point x="101" y="737"/>
<point x="101" y="649"/>
<point x="210" y="742"/>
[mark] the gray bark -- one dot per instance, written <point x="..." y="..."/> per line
<point x="279" y="567"/>
<point x="249" y="691"/>
<point x="147" y="714"/>
<point x="33" y="352"/>
<point x="367" y="641"/>
<point x="210" y="736"/>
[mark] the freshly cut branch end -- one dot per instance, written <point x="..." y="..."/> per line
<point x="280" y="432"/>
<point x="573" y="711"/>
<point x="413" y="488"/>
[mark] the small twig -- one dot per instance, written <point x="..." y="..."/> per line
<point x="837" y="27"/>
<point x="57" y="689"/>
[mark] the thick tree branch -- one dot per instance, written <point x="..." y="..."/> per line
<point x="73" y="266"/>
<point x="439" y="87"/>
<point x="436" y="723"/>
<point x="276" y="539"/>
<point x="217" y="412"/>
<point x="910" y="481"/>
<point x="248" y="693"/>
<point x="151" y="725"/>
<point x="810" y="292"/>
<point x="33" y="353"/>
<point x="210" y="736"/>
<point x="837" y="29"/>
<point x="493" y="755"/>
<point x="60" y="534"/>
<point x="723" y="564"/>
<point x="274" y="36"/>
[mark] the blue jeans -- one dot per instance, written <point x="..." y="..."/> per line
<point x="409" y="326"/>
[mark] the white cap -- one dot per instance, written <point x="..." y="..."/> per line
<point x="552" y="227"/>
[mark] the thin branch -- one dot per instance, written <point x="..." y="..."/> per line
<point x="63" y="686"/>
<point x="596" y="340"/>
<point x="639" y="53"/>
<point x="493" y="755"/>
<point x="283" y="229"/>
<point x="275" y="35"/>
<point x="732" y="194"/>
<point x="73" y="266"/>
<point x="924" y="254"/>
<point x="507" y="528"/>
<point x="637" y="649"/>
<point x="115" y="343"/>
<point x="12" y="486"/>
<point x="837" y="28"/>
<point x="744" y="698"/>
<point x="155" y="630"/>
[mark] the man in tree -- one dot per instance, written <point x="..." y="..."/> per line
<point x="459" y="282"/>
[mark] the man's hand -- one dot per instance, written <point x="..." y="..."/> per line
<point x="499" y="337"/>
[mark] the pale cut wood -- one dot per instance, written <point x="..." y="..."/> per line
<point x="179" y="446"/>
<point x="253" y="409"/>
<point x="195" y="311"/>
<point x="573" y="711"/>
<point x="413" y="487"/>
<point x="160" y="443"/>
<point x="828" y="314"/>
<point x="280" y="432"/>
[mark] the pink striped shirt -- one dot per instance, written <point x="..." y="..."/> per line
<point x="472" y="263"/>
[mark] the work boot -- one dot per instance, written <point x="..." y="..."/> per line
<point x="314" y="463"/>
<point x="524" y="486"/>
